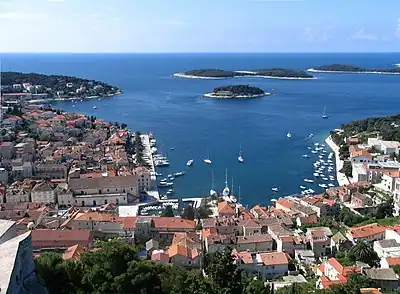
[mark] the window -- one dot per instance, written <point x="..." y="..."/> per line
<point x="94" y="203"/>
<point x="83" y="203"/>
<point x="105" y="201"/>
<point x="117" y="201"/>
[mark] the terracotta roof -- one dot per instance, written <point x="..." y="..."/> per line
<point x="312" y="219"/>
<point x="94" y="216"/>
<point x="370" y="291"/>
<point x="173" y="223"/>
<point x="335" y="264"/>
<point x="285" y="203"/>
<point x="393" y="261"/>
<point x="73" y="252"/>
<point x="254" y="239"/>
<point x="190" y="240"/>
<point x="225" y="208"/>
<point x="176" y="249"/>
<point x="274" y="258"/>
<point x="244" y="257"/>
<point x="160" y="256"/>
<point x="326" y="283"/>
<point x="366" y="231"/>
<point x="60" y="238"/>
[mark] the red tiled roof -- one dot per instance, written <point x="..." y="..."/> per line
<point x="160" y="256"/>
<point x="285" y="203"/>
<point x="274" y="258"/>
<point x="225" y="208"/>
<point x="173" y="223"/>
<point x="393" y="261"/>
<point x="312" y="219"/>
<point x="73" y="252"/>
<point x="60" y="238"/>
<point x="366" y="231"/>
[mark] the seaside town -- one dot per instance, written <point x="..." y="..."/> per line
<point x="70" y="182"/>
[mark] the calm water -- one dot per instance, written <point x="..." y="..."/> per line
<point x="174" y="110"/>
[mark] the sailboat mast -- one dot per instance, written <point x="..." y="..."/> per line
<point x="232" y="187"/>
<point x="212" y="179"/>
<point x="239" y="195"/>
<point x="226" y="178"/>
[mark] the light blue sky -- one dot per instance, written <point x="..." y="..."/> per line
<point x="200" y="25"/>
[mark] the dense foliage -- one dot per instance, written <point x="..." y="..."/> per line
<point x="347" y="169"/>
<point x="362" y="251"/>
<point x="352" y="68"/>
<point x="114" y="268"/>
<point x="272" y="72"/>
<point x="51" y="84"/>
<point x="283" y="73"/>
<point x="240" y="90"/>
<point x="211" y="73"/>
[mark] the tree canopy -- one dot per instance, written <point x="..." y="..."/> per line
<point x="115" y="268"/>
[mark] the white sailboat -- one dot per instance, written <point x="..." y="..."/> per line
<point x="226" y="190"/>
<point x="212" y="191"/>
<point x="240" y="157"/>
<point x="324" y="116"/>
<point x="207" y="160"/>
<point x="275" y="189"/>
<point x="190" y="162"/>
<point x="289" y="135"/>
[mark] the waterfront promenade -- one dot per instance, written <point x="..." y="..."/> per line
<point x="341" y="178"/>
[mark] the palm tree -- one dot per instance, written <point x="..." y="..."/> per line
<point x="363" y="251"/>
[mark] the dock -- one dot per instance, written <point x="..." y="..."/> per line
<point x="196" y="201"/>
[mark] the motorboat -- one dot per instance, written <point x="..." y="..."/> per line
<point x="323" y="185"/>
<point x="95" y="107"/>
<point x="324" y="116"/>
<point x="190" y="162"/>
<point x="306" y="156"/>
<point x="314" y="151"/>
<point x="169" y="175"/>
<point x="207" y="160"/>
<point x="240" y="157"/>
<point x="158" y="174"/>
<point x="178" y="174"/>
<point x="275" y="189"/>
<point x="316" y="174"/>
<point x="302" y="187"/>
<point x="308" y="181"/>
<point x="325" y="178"/>
<point x="331" y="185"/>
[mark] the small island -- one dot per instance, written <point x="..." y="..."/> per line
<point x="35" y="87"/>
<point x="236" y="92"/>
<point x="342" y="68"/>
<point x="276" y="73"/>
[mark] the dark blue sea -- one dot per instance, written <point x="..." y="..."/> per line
<point x="175" y="111"/>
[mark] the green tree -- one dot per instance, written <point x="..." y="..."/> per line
<point x="189" y="212"/>
<point x="168" y="211"/>
<point x="52" y="271"/>
<point x="385" y="209"/>
<point x="124" y="126"/>
<point x="364" y="252"/>
<point x="225" y="275"/>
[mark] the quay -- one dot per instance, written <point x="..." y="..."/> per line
<point x="196" y="201"/>
<point x="341" y="178"/>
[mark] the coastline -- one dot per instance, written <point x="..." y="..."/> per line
<point x="353" y="72"/>
<point x="72" y="98"/>
<point x="182" y="75"/>
<point x="212" y="95"/>
<point x="340" y="177"/>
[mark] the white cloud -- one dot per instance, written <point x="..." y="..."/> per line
<point x="319" y="35"/>
<point x="21" y="16"/>
<point x="397" y="32"/>
<point x="362" y="35"/>
<point x="55" y="1"/>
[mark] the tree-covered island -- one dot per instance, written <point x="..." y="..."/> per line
<point x="35" y="86"/>
<point x="266" y="73"/>
<point x="353" y="69"/>
<point x="236" y="91"/>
